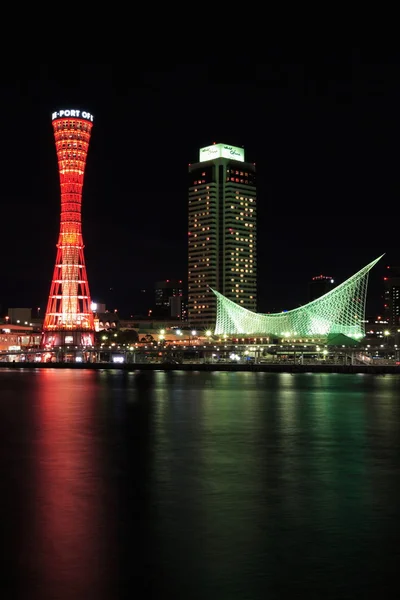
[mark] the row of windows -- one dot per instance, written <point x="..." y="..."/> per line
<point x="203" y="216"/>
<point x="70" y="206"/>
<point x="203" y="228"/>
<point x="72" y="152"/>
<point x="211" y="245"/>
<point x="237" y="180"/>
<point x="81" y="147"/>
<point x="71" y="188"/>
<point x="201" y="294"/>
<point x="71" y="216"/>
<point x="241" y="173"/>
<point x="251" y="283"/>
<point x="73" y="198"/>
<point x="196" y="190"/>
<point x="78" y="165"/>
<point x="68" y="125"/>
<point x="246" y="207"/>
<point x="242" y="270"/>
<point x="72" y="157"/>
<point x="201" y="260"/>
<point x="68" y="136"/>
<point x="211" y="251"/>
<point x="197" y="296"/>
<point x="203" y="271"/>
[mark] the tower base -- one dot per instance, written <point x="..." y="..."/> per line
<point x="67" y="339"/>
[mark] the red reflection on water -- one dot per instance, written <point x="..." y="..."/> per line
<point x="70" y="540"/>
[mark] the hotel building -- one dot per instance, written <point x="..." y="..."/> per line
<point x="222" y="233"/>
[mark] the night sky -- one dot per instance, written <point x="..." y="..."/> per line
<point x="323" y="132"/>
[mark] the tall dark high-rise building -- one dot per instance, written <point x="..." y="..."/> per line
<point x="222" y="232"/>
<point x="392" y="298"/>
<point x="320" y="285"/>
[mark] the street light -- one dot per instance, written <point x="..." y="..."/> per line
<point x="386" y="333"/>
<point x="193" y="334"/>
<point x="208" y="335"/>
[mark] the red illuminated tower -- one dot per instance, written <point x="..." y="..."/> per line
<point x="69" y="318"/>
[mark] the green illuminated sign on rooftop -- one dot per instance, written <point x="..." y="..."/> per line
<point x="221" y="151"/>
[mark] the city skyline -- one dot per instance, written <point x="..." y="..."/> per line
<point x="323" y="141"/>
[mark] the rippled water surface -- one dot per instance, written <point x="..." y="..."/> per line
<point x="198" y="485"/>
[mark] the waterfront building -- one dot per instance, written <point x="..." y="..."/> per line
<point x="16" y="337"/>
<point x="340" y="311"/>
<point x="222" y="232"/>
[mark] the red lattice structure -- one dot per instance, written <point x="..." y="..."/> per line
<point x="69" y="318"/>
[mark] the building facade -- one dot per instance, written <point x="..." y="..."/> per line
<point x="392" y="298"/>
<point x="168" y="298"/>
<point x="19" y="315"/>
<point x="222" y="235"/>
<point x="18" y="337"/>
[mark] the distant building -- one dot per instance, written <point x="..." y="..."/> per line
<point x="320" y="285"/>
<point x="98" y="307"/>
<point x="19" y="315"/>
<point x="175" y="307"/>
<point x="107" y="320"/>
<point x="222" y="233"/>
<point x="18" y="337"/>
<point x="168" y="298"/>
<point x="376" y="327"/>
<point x="152" y="327"/>
<point x="392" y="298"/>
<point x="184" y="310"/>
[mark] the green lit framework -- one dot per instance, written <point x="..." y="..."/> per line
<point x="342" y="310"/>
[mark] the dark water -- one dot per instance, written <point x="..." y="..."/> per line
<point x="199" y="485"/>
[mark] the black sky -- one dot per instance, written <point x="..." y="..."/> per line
<point x="323" y="131"/>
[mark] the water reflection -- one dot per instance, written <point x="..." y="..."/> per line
<point x="199" y="485"/>
<point x="268" y="478"/>
<point x="70" y="546"/>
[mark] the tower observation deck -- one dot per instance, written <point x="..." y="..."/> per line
<point x="69" y="318"/>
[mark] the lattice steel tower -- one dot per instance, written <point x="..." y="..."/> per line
<point x="69" y="318"/>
